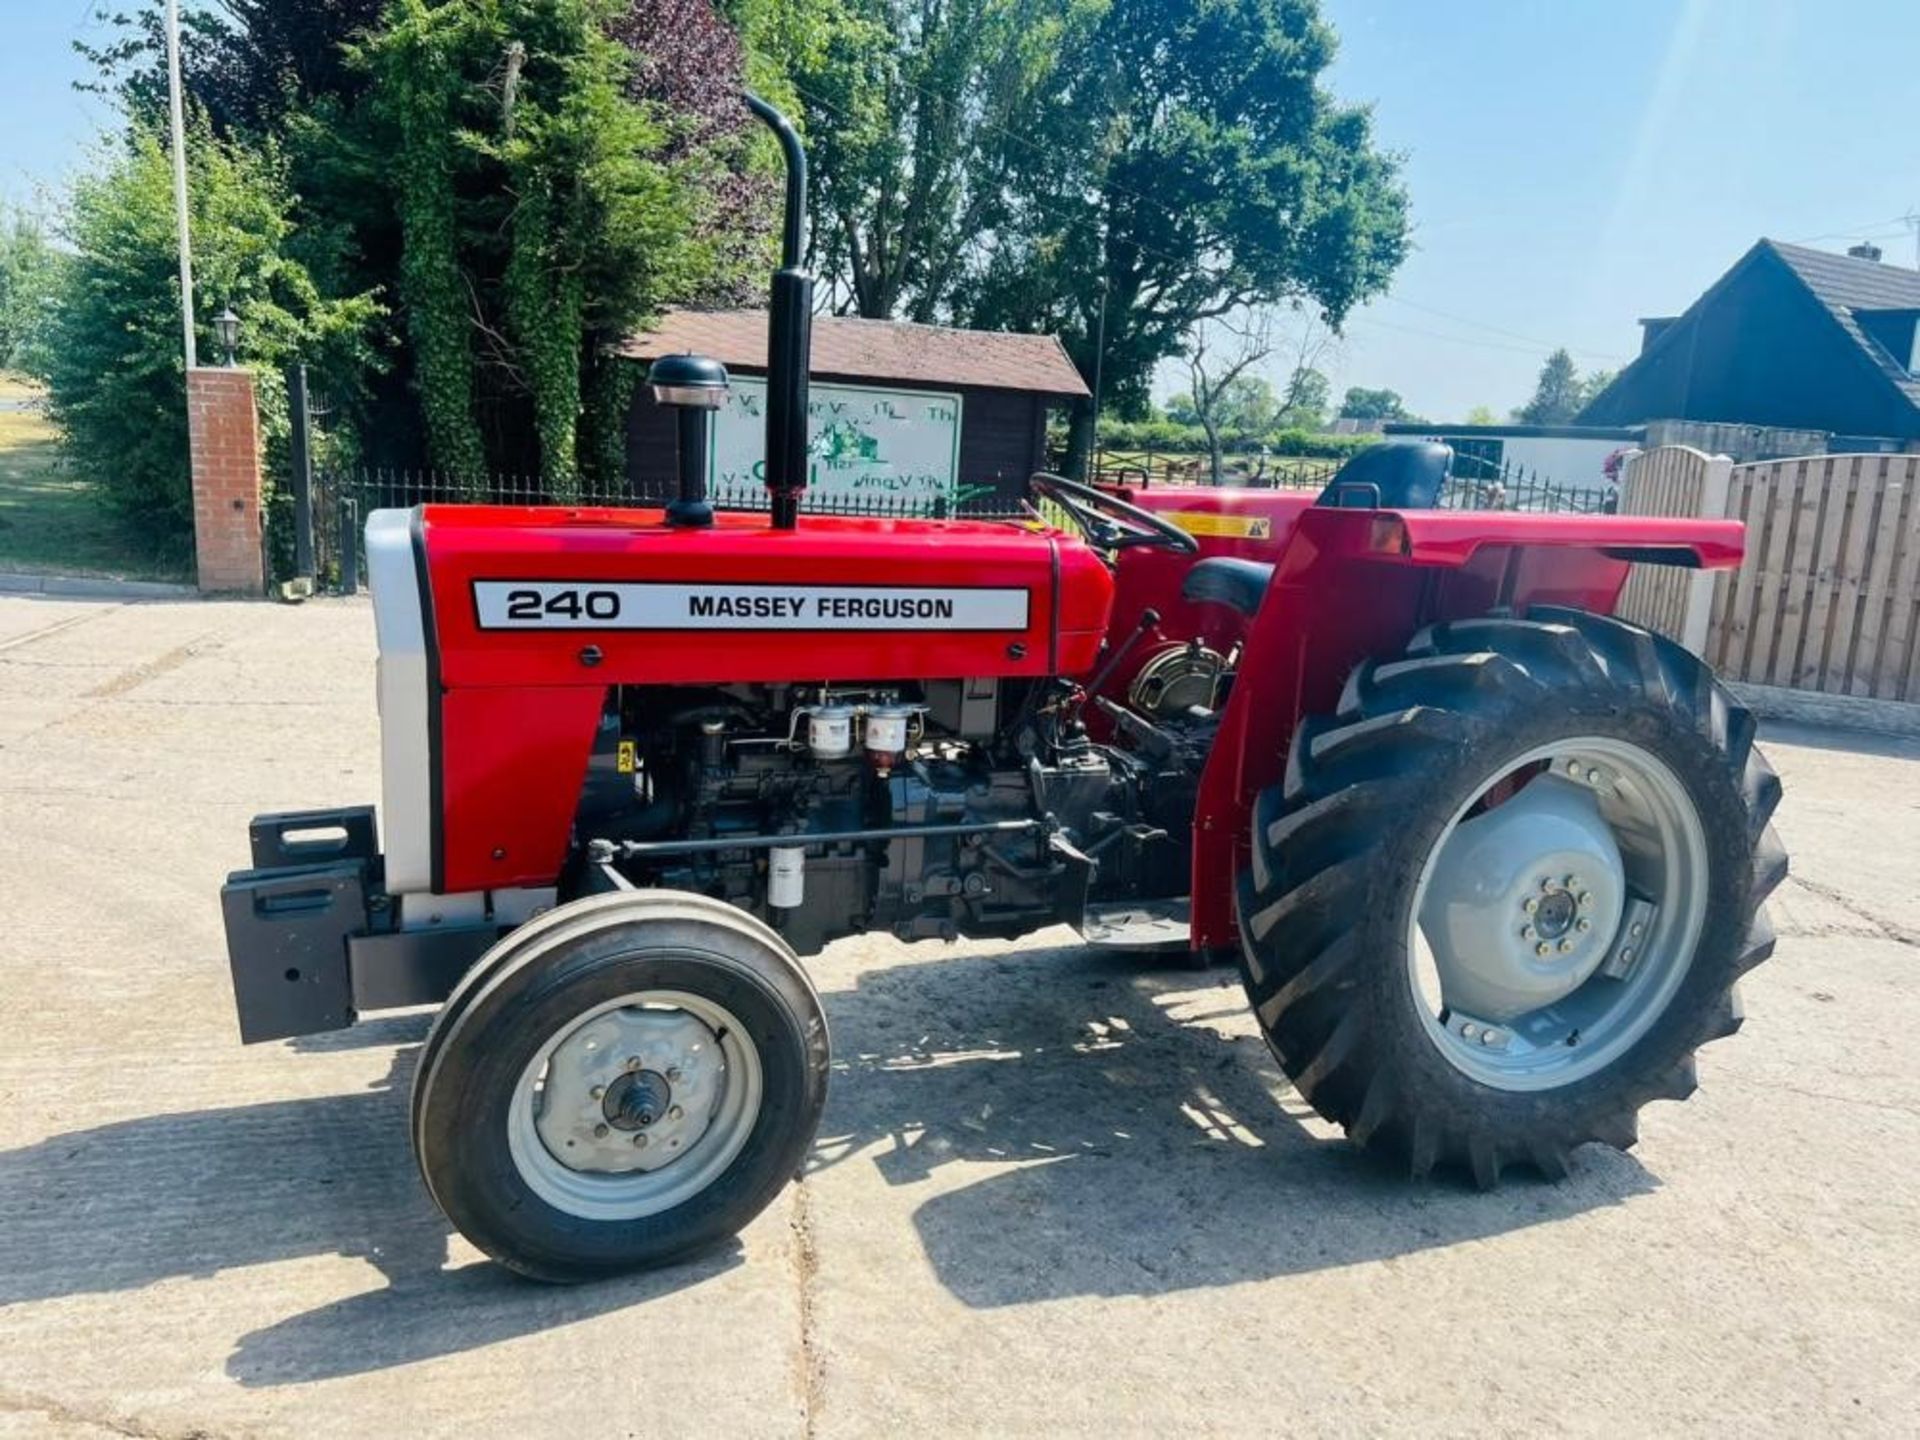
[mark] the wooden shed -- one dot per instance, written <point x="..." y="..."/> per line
<point x="902" y="415"/>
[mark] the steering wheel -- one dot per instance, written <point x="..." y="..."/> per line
<point x="1107" y="521"/>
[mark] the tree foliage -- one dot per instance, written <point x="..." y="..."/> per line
<point x="30" y="270"/>
<point x="114" y="366"/>
<point x="908" y="105"/>
<point x="545" y="188"/>
<point x="1183" y="162"/>
<point x="1557" y="396"/>
<point x="1361" y="403"/>
<point x="1307" y="396"/>
<point x="245" y="64"/>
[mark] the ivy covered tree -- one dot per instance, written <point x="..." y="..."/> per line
<point x="544" y="188"/>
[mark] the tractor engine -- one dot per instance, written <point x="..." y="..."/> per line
<point x="923" y="809"/>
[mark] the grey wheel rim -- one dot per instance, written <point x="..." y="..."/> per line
<point x="635" y="1106"/>
<point x="1558" y="913"/>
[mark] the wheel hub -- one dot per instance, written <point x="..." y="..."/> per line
<point x="636" y="1099"/>
<point x="633" y="1089"/>
<point x="1523" y="903"/>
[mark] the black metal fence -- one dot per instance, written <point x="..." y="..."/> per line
<point x="341" y="500"/>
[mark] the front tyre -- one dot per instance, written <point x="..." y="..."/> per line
<point x="623" y="1082"/>
<point x="1506" y="890"/>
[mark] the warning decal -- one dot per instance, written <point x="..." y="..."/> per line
<point x="1238" y="527"/>
<point x="616" y="605"/>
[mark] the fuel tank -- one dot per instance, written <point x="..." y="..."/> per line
<point x="524" y="596"/>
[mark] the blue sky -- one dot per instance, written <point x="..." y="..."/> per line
<point x="1574" y="164"/>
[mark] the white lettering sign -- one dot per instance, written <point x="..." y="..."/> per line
<point x="862" y="443"/>
<point x="620" y="605"/>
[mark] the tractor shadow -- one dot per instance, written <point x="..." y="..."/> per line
<point x="122" y="1206"/>
<point x="1129" y="1134"/>
<point x="1141" y="1139"/>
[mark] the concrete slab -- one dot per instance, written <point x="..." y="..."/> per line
<point x="1055" y="1191"/>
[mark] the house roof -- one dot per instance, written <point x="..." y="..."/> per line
<point x="882" y="350"/>
<point x="1846" y="283"/>
<point x="1840" y="284"/>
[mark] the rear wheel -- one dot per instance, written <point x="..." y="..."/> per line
<point x="622" y="1082"/>
<point x="1505" y="892"/>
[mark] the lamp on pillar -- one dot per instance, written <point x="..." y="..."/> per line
<point x="696" y="387"/>
<point x="227" y="326"/>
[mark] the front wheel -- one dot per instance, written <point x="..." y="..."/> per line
<point x="1505" y="892"/>
<point x="622" y="1082"/>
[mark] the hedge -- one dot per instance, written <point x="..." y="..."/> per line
<point x="1165" y="436"/>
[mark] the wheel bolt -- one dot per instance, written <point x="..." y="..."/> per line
<point x="1526" y="932"/>
<point x="1467" y="1032"/>
<point x="673" y="1074"/>
<point x="598" y="1092"/>
<point x="633" y="1062"/>
<point x="676" y="1113"/>
<point x="1583" y="925"/>
<point x="639" y="1142"/>
<point x="1586" y="899"/>
<point x="1546" y="882"/>
<point x="1543" y="948"/>
<point x="1530" y="905"/>
<point x="1566" y="947"/>
<point x="1627" y="953"/>
<point x="1489" y="1036"/>
<point x="1572" y="882"/>
<point x="599" y="1132"/>
<point x="1635" y="931"/>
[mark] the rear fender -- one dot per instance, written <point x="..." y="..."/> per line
<point x="1354" y="584"/>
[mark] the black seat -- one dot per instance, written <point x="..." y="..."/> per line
<point x="1393" y="475"/>
<point x="1224" y="580"/>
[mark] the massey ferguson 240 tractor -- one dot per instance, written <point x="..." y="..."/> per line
<point x="1490" y="862"/>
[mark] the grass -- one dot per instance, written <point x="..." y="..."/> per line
<point x="51" y="521"/>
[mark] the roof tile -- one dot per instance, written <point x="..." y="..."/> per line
<point x="853" y="349"/>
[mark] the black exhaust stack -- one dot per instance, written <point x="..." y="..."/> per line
<point x="789" y="334"/>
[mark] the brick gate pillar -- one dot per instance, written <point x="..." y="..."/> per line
<point x="223" y="434"/>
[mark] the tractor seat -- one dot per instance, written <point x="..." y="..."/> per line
<point x="1224" y="580"/>
<point x="1393" y="475"/>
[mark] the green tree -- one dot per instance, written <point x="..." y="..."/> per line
<point x="29" y="278"/>
<point x="540" y="219"/>
<point x="1481" y="415"/>
<point x="1180" y="161"/>
<point x="1557" y="396"/>
<point x="1591" y="385"/>
<point x="1306" y="399"/>
<point x="113" y="363"/>
<point x="1363" y="404"/>
<point x="907" y="103"/>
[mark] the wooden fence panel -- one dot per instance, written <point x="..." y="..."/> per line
<point x="1672" y="480"/>
<point x="1829" y="596"/>
<point x="1667" y="481"/>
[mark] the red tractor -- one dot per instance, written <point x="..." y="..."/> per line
<point x="1490" y="861"/>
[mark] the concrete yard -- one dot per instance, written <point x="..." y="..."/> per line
<point x="1056" y="1192"/>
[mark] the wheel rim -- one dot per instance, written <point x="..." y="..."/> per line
<point x="635" y="1106"/>
<point x="1558" y="913"/>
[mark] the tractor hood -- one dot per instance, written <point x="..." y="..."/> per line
<point x="545" y="596"/>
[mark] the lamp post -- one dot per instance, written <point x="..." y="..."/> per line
<point x="696" y="387"/>
<point x="227" y="326"/>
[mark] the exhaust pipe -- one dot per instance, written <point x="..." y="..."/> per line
<point x="789" y="333"/>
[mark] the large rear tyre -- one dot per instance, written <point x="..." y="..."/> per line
<point x="1505" y="892"/>
<point x="625" y="1081"/>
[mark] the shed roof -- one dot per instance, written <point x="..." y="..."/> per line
<point x="881" y="350"/>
